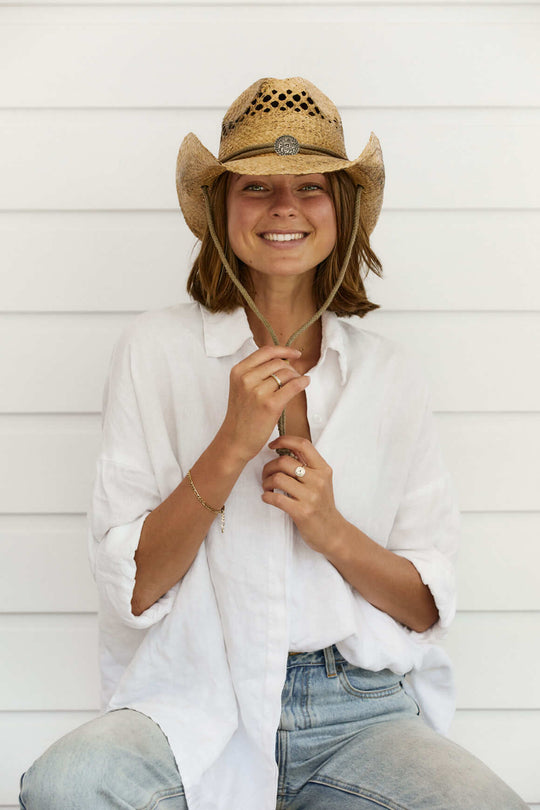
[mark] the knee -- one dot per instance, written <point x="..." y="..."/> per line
<point x="121" y="754"/>
<point x="67" y="774"/>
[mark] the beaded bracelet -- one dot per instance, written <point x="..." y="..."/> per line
<point x="207" y="506"/>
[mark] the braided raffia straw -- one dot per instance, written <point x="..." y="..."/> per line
<point x="251" y="303"/>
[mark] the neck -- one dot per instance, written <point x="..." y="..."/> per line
<point x="287" y="303"/>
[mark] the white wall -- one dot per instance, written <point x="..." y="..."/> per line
<point x="94" y="102"/>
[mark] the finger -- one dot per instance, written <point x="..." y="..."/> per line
<point x="301" y="447"/>
<point x="284" y="483"/>
<point x="287" y="465"/>
<point x="263" y="374"/>
<point x="265" y="354"/>
<point x="274" y="366"/>
<point x="283" y="502"/>
<point x="290" y="390"/>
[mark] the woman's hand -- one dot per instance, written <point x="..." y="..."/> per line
<point x="256" y="401"/>
<point x="310" y="497"/>
<point x="389" y="582"/>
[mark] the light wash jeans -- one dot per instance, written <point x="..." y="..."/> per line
<point x="349" y="739"/>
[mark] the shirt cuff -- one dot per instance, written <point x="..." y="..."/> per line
<point x="437" y="572"/>
<point x="115" y="570"/>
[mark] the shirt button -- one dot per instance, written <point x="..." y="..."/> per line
<point x="317" y="418"/>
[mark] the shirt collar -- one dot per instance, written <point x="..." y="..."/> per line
<point x="226" y="332"/>
<point x="333" y="338"/>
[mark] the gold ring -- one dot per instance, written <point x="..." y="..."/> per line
<point x="276" y="378"/>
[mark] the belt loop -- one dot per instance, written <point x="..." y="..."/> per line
<point x="330" y="662"/>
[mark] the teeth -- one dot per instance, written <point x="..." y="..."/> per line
<point x="282" y="237"/>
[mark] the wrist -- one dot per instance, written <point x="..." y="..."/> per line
<point x="229" y="458"/>
<point x="337" y="544"/>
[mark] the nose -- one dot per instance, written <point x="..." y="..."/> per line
<point x="283" y="202"/>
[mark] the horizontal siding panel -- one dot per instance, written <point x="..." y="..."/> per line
<point x="45" y="563"/>
<point x="441" y="159"/>
<point x="499" y="560"/>
<point x="494" y="460"/>
<point x="107" y="64"/>
<point x="506" y="741"/>
<point x="131" y="261"/>
<point x="456" y="260"/>
<point x="48" y="462"/>
<point x="67" y="676"/>
<point x="58" y="363"/>
<point x="69" y="681"/>
<point x="469" y="366"/>
<point x="487" y="650"/>
<point x="112" y="262"/>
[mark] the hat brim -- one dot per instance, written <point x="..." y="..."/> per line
<point x="196" y="166"/>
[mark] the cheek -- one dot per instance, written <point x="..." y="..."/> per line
<point x="332" y="231"/>
<point x="232" y="223"/>
<point x="239" y="224"/>
<point x="326" y="216"/>
<point x="238" y="245"/>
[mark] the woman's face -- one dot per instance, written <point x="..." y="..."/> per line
<point x="281" y="225"/>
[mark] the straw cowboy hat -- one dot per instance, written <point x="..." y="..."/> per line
<point x="278" y="126"/>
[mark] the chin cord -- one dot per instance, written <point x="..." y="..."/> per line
<point x="251" y="303"/>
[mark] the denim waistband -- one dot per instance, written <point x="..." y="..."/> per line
<point x="328" y="657"/>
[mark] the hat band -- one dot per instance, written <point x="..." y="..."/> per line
<point x="269" y="149"/>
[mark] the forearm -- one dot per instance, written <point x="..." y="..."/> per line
<point x="174" y="531"/>
<point x="386" y="580"/>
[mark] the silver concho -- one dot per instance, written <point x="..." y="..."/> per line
<point x="286" y="145"/>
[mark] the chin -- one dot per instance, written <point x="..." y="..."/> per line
<point x="283" y="270"/>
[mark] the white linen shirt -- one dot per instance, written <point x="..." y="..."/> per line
<point x="207" y="661"/>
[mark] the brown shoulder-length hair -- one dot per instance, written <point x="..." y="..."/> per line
<point x="210" y="285"/>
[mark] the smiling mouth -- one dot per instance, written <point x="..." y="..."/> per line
<point x="283" y="237"/>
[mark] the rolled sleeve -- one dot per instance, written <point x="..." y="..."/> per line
<point x="438" y="574"/>
<point x="115" y="570"/>
<point x="426" y="532"/>
<point x="123" y="499"/>
<point x="125" y="492"/>
<point x="426" y="527"/>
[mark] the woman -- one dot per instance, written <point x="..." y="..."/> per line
<point x="259" y="609"/>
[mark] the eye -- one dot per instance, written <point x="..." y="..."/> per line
<point x="254" y="187"/>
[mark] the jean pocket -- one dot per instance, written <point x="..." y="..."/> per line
<point x="366" y="684"/>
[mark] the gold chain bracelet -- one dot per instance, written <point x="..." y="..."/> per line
<point x="207" y="506"/>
